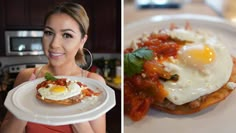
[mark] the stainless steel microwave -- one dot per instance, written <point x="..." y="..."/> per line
<point x="27" y="42"/>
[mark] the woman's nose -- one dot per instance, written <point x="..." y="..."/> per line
<point x="55" y="42"/>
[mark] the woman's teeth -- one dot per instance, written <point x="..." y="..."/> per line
<point x="56" y="54"/>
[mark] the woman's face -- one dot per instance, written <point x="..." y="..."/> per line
<point x="62" y="39"/>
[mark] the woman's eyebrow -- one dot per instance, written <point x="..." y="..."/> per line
<point x="47" y="27"/>
<point x="63" y="30"/>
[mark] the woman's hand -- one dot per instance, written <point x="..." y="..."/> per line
<point x="11" y="124"/>
<point x="95" y="126"/>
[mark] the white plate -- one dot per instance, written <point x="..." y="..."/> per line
<point x="21" y="101"/>
<point x="219" y="118"/>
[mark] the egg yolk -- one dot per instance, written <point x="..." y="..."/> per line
<point x="58" y="89"/>
<point x="197" y="55"/>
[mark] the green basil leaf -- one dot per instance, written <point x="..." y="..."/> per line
<point x="49" y="76"/>
<point x="133" y="62"/>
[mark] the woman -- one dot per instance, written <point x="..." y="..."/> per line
<point x="65" y="33"/>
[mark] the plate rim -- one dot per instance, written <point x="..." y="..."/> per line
<point x="166" y="17"/>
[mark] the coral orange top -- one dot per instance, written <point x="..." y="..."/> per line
<point x="40" y="128"/>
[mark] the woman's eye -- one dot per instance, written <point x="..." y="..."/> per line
<point x="48" y="33"/>
<point x="66" y="35"/>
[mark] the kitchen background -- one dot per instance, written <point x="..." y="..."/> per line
<point x="104" y="43"/>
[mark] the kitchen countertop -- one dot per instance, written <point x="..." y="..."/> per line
<point x="132" y="13"/>
<point x="113" y="85"/>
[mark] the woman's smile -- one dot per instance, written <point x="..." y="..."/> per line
<point x="56" y="55"/>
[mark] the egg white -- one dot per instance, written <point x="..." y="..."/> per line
<point x="195" y="82"/>
<point x="72" y="90"/>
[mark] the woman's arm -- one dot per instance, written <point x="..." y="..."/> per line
<point x="99" y="125"/>
<point x="11" y="124"/>
<point x="95" y="126"/>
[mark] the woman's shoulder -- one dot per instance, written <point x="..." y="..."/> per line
<point x="95" y="76"/>
<point x="23" y="76"/>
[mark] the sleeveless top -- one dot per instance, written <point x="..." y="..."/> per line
<point x="40" y="128"/>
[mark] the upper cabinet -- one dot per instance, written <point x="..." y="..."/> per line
<point x="2" y="48"/>
<point x="15" y="13"/>
<point x="26" y="14"/>
<point x="105" y="20"/>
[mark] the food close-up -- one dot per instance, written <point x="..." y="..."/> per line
<point x="64" y="91"/>
<point x="177" y="70"/>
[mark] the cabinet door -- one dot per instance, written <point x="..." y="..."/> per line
<point x="37" y="11"/>
<point x="16" y="13"/>
<point x="104" y="21"/>
<point x="2" y="46"/>
<point x="118" y="26"/>
<point x="27" y="14"/>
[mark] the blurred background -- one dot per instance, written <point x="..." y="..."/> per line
<point x="139" y="9"/>
<point x="21" y="26"/>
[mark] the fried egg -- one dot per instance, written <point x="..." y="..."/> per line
<point x="203" y="64"/>
<point x="57" y="92"/>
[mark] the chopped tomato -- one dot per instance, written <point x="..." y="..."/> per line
<point x="141" y="90"/>
<point x="154" y="69"/>
<point x="61" y="82"/>
<point x="160" y="36"/>
<point x="165" y="50"/>
<point x="140" y="107"/>
<point x="81" y="84"/>
<point x="89" y="92"/>
<point x="150" y="87"/>
<point x="128" y="50"/>
<point x="136" y="105"/>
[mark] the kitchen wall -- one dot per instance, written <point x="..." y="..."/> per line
<point x="104" y="40"/>
<point x="105" y="21"/>
<point x="104" y="37"/>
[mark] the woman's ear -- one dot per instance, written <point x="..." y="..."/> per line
<point x="83" y="40"/>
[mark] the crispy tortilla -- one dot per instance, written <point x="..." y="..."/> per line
<point x="209" y="100"/>
<point x="68" y="101"/>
